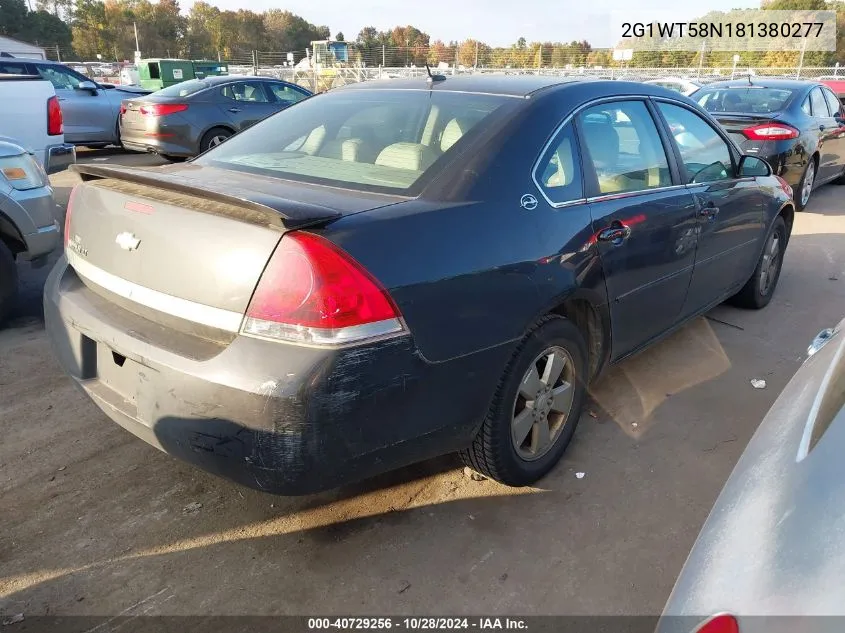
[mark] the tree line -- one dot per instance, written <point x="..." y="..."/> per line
<point x="84" y="29"/>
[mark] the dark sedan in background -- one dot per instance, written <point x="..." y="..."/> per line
<point x="189" y="118"/>
<point x="391" y="271"/>
<point x="796" y="126"/>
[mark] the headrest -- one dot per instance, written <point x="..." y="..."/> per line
<point x="452" y="133"/>
<point x="406" y="156"/>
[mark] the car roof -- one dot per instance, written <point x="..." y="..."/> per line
<point x="764" y="82"/>
<point x="510" y="85"/>
<point x="222" y="79"/>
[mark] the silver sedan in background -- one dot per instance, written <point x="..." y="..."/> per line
<point x="773" y="544"/>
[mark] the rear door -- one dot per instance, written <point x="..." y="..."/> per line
<point x="88" y="115"/>
<point x="285" y="95"/>
<point x="644" y="221"/>
<point x="246" y="103"/>
<point x="831" y="143"/>
<point x="730" y="209"/>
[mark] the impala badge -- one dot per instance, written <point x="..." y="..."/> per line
<point x="127" y="241"/>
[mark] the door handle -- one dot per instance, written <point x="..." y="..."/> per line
<point x="234" y="109"/>
<point x="616" y="234"/>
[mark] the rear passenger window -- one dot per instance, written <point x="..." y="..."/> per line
<point x="832" y="102"/>
<point x="805" y="107"/>
<point x="559" y="172"/>
<point x="705" y="154"/>
<point x="624" y="147"/>
<point x="818" y="103"/>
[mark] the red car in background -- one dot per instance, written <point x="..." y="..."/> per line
<point x="837" y="84"/>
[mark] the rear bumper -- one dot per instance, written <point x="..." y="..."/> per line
<point x="280" y="418"/>
<point x="157" y="146"/>
<point x="59" y="157"/>
<point x="783" y="156"/>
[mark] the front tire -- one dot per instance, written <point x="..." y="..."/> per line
<point x="758" y="291"/>
<point x="536" y="406"/>
<point x="8" y="281"/>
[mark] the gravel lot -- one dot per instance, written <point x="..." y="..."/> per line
<point x="95" y="522"/>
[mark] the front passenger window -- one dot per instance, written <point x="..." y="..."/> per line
<point x="705" y="154"/>
<point x="559" y="171"/>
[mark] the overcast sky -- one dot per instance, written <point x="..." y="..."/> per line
<point x="497" y="22"/>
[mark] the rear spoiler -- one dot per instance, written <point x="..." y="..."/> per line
<point x="275" y="211"/>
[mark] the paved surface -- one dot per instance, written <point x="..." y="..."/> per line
<point x="93" y="521"/>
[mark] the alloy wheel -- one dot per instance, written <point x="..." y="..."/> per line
<point x="807" y="187"/>
<point x="771" y="260"/>
<point x="543" y="403"/>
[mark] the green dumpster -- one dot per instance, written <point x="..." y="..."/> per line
<point x="156" y="74"/>
<point x="210" y="68"/>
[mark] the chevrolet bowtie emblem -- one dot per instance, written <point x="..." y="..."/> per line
<point x="127" y="241"/>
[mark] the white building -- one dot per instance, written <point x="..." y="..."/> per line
<point x="16" y="48"/>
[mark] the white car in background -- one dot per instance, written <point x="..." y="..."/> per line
<point x="678" y="84"/>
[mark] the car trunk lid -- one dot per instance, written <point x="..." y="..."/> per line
<point x="189" y="242"/>
<point x="735" y="123"/>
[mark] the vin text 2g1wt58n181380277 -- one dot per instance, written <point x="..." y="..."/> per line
<point x="393" y="271"/>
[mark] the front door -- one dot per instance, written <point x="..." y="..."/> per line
<point x="730" y="209"/>
<point x="246" y="103"/>
<point x="644" y="225"/>
<point x="89" y="116"/>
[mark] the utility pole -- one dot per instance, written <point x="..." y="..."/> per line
<point x="801" y="60"/>
<point x="476" y="53"/>
<point x="383" y="56"/>
<point x="701" y="58"/>
<point x="58" y="54"/>
<point x="137" y="46"/>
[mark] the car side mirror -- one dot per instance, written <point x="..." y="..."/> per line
<point x="90" y="86"/>
<point x="751" y="167"/>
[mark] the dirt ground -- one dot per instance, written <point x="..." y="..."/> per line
<point x="95" y="522"/>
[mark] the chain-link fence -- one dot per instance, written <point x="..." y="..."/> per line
<point x="364" y="63"/>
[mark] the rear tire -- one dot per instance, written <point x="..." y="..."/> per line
<point x="8" y="281"/>
<point x="805" y="191"/>
<point x="758" y="291"/>
<point x="512" y="446"/>
<point x="214" y="137"/>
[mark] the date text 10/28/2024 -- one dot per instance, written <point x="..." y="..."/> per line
<point x="417" y="623"/>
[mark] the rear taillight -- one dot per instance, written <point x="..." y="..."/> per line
<point x="770" y="132"/>
<point x="122" y="109"/>
<point x="55" y="123"/>
<point x="315" y="293"/>
<point x="162" y="109"/>
<point x="68" y="212"/>
<point x="722" y="623"/>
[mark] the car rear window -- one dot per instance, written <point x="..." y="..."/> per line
<point x="372" y="140"/>
<point x="743" y="99"/>
<point x="183" y="89"/>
